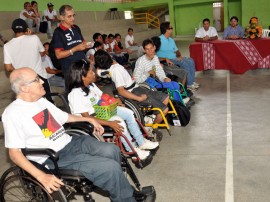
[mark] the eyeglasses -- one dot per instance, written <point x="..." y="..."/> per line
<point x="170" y="28"/>
<point x="37" y="80"/>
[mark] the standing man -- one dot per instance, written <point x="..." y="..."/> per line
<point x="25" y="50"/>
<point x="169" y="52"/>
<point x="51" y="18"/>
<point x="206" y="33"/>
<point x="68" y="42"/>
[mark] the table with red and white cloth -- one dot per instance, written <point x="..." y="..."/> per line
<point x="238" y="56"/>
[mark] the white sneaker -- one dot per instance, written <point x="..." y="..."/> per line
<point x="148" y="145"/>
<point x="141" y="153"/>
<point x="196" y="85"/>
<point x="186" y="99"/>
<point x="192" y="88"/>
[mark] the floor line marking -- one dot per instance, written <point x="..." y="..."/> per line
<point x="229" y="187"/>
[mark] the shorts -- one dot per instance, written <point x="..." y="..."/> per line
<point x="154" y="98"/>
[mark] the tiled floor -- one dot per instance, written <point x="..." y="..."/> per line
<point x="190" y="165"/>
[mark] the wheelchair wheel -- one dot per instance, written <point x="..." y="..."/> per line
<point x="23" y="188"/>
<point x="136" y="109"/>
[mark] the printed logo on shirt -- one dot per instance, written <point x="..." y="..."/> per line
<point x="46" y="122"/>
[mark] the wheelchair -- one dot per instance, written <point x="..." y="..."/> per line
<point x="18" y="185"/>
<point x="110" y="135"/>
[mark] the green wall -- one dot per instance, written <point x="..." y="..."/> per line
<point x="185" y="15"/>
<point x="188" y="17"/>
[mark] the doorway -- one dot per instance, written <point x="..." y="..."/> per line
<point x="218" y="16"/>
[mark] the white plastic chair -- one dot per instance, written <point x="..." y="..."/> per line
<point x="265" y="33"/>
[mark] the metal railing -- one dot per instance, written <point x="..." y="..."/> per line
<point x="146" y="18"/>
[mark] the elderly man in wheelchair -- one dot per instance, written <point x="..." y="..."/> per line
<point x="33" y="122"/>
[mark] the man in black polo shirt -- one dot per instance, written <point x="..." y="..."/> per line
<point x="69" y="44"/>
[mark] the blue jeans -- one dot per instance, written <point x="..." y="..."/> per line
<point x="127" y="115"/>
<point x="188" y="65"/>
<point x="99" y="162"/>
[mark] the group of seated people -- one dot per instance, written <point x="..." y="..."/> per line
<point x="232" y="32"/>
<point x="33" y="19"/>
<point x="34" y="122"/>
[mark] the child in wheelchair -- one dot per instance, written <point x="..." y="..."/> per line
<point x="84" y="94"/>
<point x="33" y="122"/>
<point x="127" y="88"/>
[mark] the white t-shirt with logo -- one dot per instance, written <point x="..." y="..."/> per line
<point x="35" y="125"/>
<point x="79" y="102"/>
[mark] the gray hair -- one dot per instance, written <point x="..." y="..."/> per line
<point x="16" y="83"/>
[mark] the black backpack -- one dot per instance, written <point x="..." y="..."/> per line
<point x="183" y="114"/>
<point x="57" y="62"/>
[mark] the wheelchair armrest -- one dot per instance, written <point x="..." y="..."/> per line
<point x="33" y="151"/>
<point x="84" y="126"/>
<point x="108" y="129"/>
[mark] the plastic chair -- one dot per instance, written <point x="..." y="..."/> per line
<point x="265" y="33"/>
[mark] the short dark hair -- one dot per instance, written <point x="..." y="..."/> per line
<point x="116" y="35"/>
<point x="146" y="42"/>
<point x="63" y="8"/>
<point x="206" y="20"/>
<point x="164" y="26"/>
<point x="103" y="60"/>
<point x="111" y="35"/>
<point x="33" y="2"/>
<point x="104" y="36"/>
<point x="46" y="43"/>
<point x="130" y="29"/>
<point x="234" y="18"/>
<point x="96" y="35"/>
<point x="97" y="44"/>
<point x="77" y="70"/>
<point x="157" y="42"/>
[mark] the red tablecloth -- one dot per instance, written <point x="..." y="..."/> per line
<point x="238" y="56"/>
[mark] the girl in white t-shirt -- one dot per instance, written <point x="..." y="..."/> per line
<point x="83" y="94"/>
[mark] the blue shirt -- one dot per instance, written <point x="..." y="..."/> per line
<point x="229" y="31"/>
<point x="167" y="48"/>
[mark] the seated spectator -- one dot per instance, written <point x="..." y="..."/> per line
<point x="51" y="18"/>
<point x="171" y="70"/>
<point x="131" y="44"/>
<point x="233" y="31"/>
<point x="32" y="122"/>
<point x="98" y="37"/>
<point x="169" y="52"/>
<point x="91" y="52"/>
<point x="148" y="65"/>
<point x="34" y="5"/>
<point x="106" y="43"/>
<point x="111" y="41"/>
<point x="28" y="15"/>
<point x="84" y="94"/>
<point x="206" y="33"/>
<point x="127" y="88"/>
<point x="54" y="75"/>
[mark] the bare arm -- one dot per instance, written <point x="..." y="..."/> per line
<point x="50" y="182"/>
<point x="9" y="67"/>
<point x="52" y="71"/>
<point x="98" y="128"/>
<point x="126" y="94"/>
<point x="66" y="53"/>
<point x="113" y="124"/>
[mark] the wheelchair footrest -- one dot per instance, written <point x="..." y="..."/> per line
<point x="148" y="194"/>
